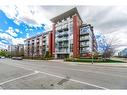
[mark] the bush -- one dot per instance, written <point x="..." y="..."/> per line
<point x="90" y="60"/>
<point x="47" y="55"/>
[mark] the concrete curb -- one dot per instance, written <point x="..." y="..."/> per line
<point x="121" y="65"/>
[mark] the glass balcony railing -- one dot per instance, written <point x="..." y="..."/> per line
<point x="63" y="46"/>
<point x="62" y="51"/>
<point x="84" y="33"/>
<point x="84" y="38"/>
<point x="64" y="26"/>
<point x="58" y="28"/>
<point x="84" y="51"/>
<point x="62" y="39"/>
<point x="65" y="33"/>
<point x="84" y="45"/>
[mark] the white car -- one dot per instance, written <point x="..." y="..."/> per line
<point x="17" y="58"/>
<point x="2" y="57"/>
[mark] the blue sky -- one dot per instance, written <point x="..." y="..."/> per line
<point x="14" y="30"/>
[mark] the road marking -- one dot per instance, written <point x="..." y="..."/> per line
<point x="74" y="80"/>
<point x="19" y="78"/>
<point x="81" y="82"/>
<point x="97" y="72"/>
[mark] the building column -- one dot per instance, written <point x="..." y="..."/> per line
<point x="76" y="39"/>
<point x="42" y="45"/>
<point x="50" y="42"/>
<point x="53" y="40"/>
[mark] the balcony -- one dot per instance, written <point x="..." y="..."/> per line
<point x="58" y="28"/>
<point x="64" y="33"/>
<point x="84" y="51"/>
<point x="65" y="26"/>
<point x="43" y="43"/>
<point x="64" y="51"/>
<point x="86" y="38"/>
<point x="62" y="39"/>
<point x="84" y="45"/>
<point x="63" y="46"/>
<point x="84" y="33"/>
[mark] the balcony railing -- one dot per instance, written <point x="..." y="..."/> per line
<point x="84" y="51"/>
<point x="84" y="38"/>
<point x="62" y="33"/>
<point x="84" y="45"/>
<point x="84" y="33"/>
<point x="59" y="28"/>
<point x="64" y="26"/>
<point x="63" y="46"/>
<point x="62" y="51"/>
<point x="63" y="39"/>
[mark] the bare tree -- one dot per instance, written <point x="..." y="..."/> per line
<point x="108" y="46"/>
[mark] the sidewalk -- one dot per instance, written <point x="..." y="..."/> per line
<point x="94" y="64"/>
<point x="122" y="65"/>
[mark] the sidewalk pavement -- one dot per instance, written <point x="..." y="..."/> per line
<point x="94" y="64"/>
<point x="122" y="65"/>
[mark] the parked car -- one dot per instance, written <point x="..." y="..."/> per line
<point x="2" y="57"/>
<point x="17" y="58"/>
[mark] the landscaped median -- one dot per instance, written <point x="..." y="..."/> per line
<point x="89" y="60"/>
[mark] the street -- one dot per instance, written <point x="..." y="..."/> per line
<point x="39" y="74"/>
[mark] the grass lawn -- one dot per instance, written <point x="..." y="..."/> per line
<point x="94" y="60"/>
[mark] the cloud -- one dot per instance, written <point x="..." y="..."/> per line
<point x="3" y="46"/>
<point x="27" y="35"/>
<point x="11" y="32"/>
<point x="4" y="41"/>
<point x="17" y="30"/>
<point x="111" y="21"/>
<point x="5" y="36"/>
<point x="16" y="41"/>
<point x="11" y="39"/>
<point x="32" y="15"/>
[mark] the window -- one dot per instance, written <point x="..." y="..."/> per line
<point x="85" y="29"/>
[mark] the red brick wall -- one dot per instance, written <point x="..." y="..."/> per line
<point x="76" y="32"/>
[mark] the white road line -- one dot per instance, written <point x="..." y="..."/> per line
<point x="81" y="82"/>
<point x="97" y="72"/>
<point x="74" y="80"/>
<point x="19" y="78"/>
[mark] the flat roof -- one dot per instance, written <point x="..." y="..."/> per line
<point x="65" y="15"/>
<point x="37" y="35"/>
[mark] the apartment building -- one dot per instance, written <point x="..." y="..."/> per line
<point x="88" y="42"/>
<point x="69" y="38"/>
<point x="66" y="30"/>
<point x="38" y="45"/>
<point x="16" y="50"/>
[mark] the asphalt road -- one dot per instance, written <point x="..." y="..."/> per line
<point x="38" y="74"/>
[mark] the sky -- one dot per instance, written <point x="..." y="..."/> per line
<point x="20" y="22"/>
